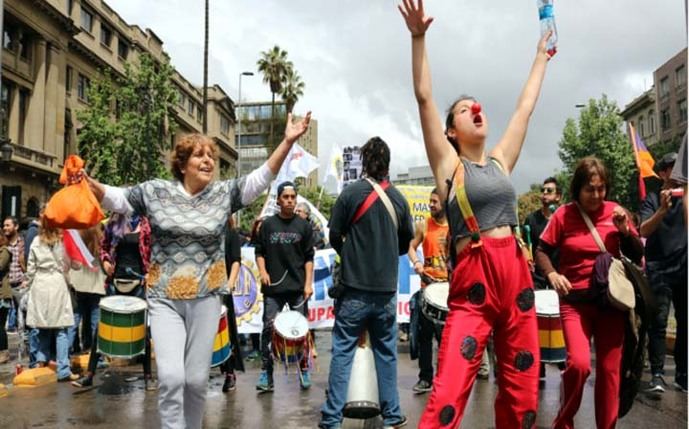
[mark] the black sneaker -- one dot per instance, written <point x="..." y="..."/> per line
<point x="230" y="383"/>
<point x="401" y="423"/>
<point x="422" y="386"/>
<point x="85" y="381"/>
<point x="656" y="385"/>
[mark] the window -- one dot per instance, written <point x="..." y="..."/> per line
<point x="190" y="107"/>
<point x="680" y="76"/>
<point x="199" y="113"/>
<point x="651" y="122"/>
<point x="122" y="48"/>
<point x="70" y="7"/>
<point x="23" y="105"/>
<point x="8" y="38"/>
<point x="83" y="87"/>
<point x="24" y="46"/>
<point x="642" y="124"/>
<point x="665" y="122"/>
<point x="68" y="79"/>
<point x="664" y="87"/>
<point x="182" y="100"/>
<point x="5" y="105"/>
<point x="224" y="125"/>
<point x="105" y="36"/>
<point x="682" y="107"/>
<point x="86" y="20"/>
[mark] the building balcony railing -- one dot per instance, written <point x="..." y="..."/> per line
<point x="33" y="155"/>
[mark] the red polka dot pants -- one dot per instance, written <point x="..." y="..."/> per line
<point x="491" y="290"/>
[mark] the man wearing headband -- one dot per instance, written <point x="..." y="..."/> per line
<point x="284" y="255"/>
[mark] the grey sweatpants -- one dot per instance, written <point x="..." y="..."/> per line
<point x="183" y="332"/>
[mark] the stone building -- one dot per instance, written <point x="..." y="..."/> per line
<point x="51" y="52"/>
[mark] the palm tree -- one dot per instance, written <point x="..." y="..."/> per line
<point x="274" y="66"/>
<point x="292" y="89"/>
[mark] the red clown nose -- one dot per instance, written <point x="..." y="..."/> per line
<point x="475" y="108"/>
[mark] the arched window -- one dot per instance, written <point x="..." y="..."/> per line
<point x="32" y="207"/>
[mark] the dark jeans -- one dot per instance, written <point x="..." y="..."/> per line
<point x="669" y="286"/>
<point x="87" y="310"/>
<point x="427" y="331"/>
<point x="3" y="333"/>
<point x="272" y="305"/>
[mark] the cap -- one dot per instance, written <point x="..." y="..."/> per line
<point x="668" y="160"/>
<point x="286" y="185"/>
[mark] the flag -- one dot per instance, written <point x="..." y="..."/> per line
<point x="644" y="160"/>
<point x="298" y="163"/>
<point x="76" y="248"/>
<point x="334" y="171"/>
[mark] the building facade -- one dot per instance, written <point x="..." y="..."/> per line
<point x="421" y="175"/>
<point x="51" y="52"/>
<point x="660" y="114"/>
<point x="254" y="142"/>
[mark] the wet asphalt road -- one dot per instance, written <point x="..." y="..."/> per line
<point x="60" y="405"/>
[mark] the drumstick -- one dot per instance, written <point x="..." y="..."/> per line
<point x="134" y="273"/>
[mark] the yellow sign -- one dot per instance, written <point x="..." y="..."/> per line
<point x="417" y="197"/>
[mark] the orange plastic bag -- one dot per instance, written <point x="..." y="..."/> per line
<point x="74" y="206"/>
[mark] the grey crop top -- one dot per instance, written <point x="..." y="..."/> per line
<point x="491" y="196"/>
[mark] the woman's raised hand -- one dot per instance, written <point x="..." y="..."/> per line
<point x="543" y="43"/>
<point x="414" y="16"/>
<point x="295" y="130"/>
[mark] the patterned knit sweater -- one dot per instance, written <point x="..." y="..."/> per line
<point x="187" y="232"/>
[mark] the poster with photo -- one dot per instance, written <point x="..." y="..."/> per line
<point x="351" y="168"/>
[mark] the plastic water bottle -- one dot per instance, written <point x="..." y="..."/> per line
<point x="547" y="18"/>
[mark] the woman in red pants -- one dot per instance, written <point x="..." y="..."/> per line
<point x="491" y="287"/>
<point x="583" y="316"/>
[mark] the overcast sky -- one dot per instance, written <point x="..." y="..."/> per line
<point x="354" y="57"/>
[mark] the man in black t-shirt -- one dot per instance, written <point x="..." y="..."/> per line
<point x="537" y="221"/>
<point x="284" y="255"/>
<point x="663" y="225"/>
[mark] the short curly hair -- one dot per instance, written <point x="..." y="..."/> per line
<point x="375" y="158"/>
<point x="185" y="147"/>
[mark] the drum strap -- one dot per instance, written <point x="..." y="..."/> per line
<point x="368" y="202"/>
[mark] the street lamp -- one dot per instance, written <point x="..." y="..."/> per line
<point x="239" y="132"/>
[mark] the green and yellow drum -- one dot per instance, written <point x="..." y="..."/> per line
<point x="122" y="326"/>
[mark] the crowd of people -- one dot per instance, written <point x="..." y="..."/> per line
<point x="172" y="243"/>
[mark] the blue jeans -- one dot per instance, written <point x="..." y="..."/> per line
<point x="62" y="350"/>
<point x="87" y="305"/>
<point x="355" y="311"/>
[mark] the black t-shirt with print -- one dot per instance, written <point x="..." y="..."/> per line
<point x="286" y="245"/>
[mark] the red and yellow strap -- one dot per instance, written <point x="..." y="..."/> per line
<point x="465" y="207"/>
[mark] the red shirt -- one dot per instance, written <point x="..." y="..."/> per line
<point x="578" y="250"/>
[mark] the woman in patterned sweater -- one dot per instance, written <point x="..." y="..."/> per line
<point x="188" y="216"/>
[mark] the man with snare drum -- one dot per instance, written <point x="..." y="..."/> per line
<point x="432" y="235"/>
<point x="284" y="255"/>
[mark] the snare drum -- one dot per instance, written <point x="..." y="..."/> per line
<point x="550" y="336"/>
<point x="122" y="326"/>
<point x="434" y="302"/>
<point x="290" y="336"/>
<point x="222" y="348"/>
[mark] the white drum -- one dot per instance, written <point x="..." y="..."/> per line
<point x="290" y="336"/>
<point x="434" y="302"/>
<point x="362" y="393"/>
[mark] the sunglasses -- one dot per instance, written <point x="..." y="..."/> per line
<point x="548" y="190"/>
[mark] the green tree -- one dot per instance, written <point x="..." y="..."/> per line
<point x="529" y="201"/>
<point x="292" y="89"/>
<point x="274" y="66"/>
<point x="127" y="126"/>
<point x="599" y="132"/>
